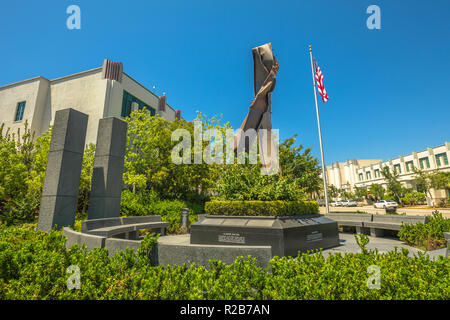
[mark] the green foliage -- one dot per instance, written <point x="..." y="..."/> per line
<point x="147" y="245"/>
<point x="361" y="192"/>
<point x="414" y="197"/>
<point x="394" y="186"/>
<point x="261" y="208"/>
<point x="145" y="203"/>
<point x="362" y="240"/>
<point x="149" y="165"/>
<point x="86" y="178"/>
<point x="300" y="166"/>
<point x="245" y="182"/>
<point x="33" y="266"/>
<point x="376" y="191"/>
<point x="429" y="236"/>
<point x="22" y="172"/>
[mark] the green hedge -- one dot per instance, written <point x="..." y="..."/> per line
<point x="145" y="204"/>
<point x="429" y="236"/>
<point x="33" y="266"/>
<point x="261" y="208"/>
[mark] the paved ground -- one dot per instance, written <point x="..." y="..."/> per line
<point x="416" y="211"/>
<point x="347" y="240"/>
<point x="348" y="244"/>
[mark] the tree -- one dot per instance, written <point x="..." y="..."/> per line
<point x="393" y="185"/>
<point x="377" y="191"/>
<point x="22" y="170"/>
<point x="299" y="165"/>
<point x="148" y="160"/>
<point x="361" y="192"/>
<point x="427" y="180"/>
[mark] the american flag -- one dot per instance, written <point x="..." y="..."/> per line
<point x="319" y="80"/>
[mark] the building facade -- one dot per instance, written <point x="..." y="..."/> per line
<point x="363" y="173"/>
<point x="102" y="92"/>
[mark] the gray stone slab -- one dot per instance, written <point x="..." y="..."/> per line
<point x="383" y="225"/>
<point x="357" y="217"/>
<point x="62" y="178"/>
<point x="399" y="219"/>
<point x="87" y="225"/>
<point x="140" y="219"/>
<point x="57" y="211"/>
<point x="103" y="207"/>
<point x="63" y="173"/>
<point x="69" y="131"/>
<point x="107" y="174"/>
<point x="111" y="134"/>
<point x="107" y="178"/>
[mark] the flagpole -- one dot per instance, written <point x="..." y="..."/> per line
<point x="324" y="175"/>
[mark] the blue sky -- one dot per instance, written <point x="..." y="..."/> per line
<point x="388" y="88"/>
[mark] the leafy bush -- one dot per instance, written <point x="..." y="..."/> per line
<point x="414" y="197"/>
<point x="22" y="170"/>
<point x="261" y="208"/>
<point x="33" y="266"/>
<point x="245" y="182"/>
<point x="144" y="203"/>
<point x="429" y="236"/>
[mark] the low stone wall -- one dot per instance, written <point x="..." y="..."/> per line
<point x="177" y="254"/>
<point x="91" y="241"/>
<point x="172" y="250"/>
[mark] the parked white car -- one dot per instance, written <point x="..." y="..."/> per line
<point x="385" y="204"/>
<point x="335" y="203"/>
<point x="349" y="203"/>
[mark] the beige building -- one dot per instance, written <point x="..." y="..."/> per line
<point x="364" y="173"/>
<point x="106" y="91"/>
<point x="343" y="175"/>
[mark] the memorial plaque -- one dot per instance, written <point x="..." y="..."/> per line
<point x="286" y="235"/>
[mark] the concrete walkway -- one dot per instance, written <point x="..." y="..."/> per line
<point x="385" y="244"/>
<point x="347" y="244"/>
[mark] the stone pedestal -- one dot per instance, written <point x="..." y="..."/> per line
<point x="285" y="235"/>
<point x="108" y="169"/>
<point x="62" y="178"/>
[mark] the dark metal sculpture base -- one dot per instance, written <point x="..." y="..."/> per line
<point x="286" y="235"/>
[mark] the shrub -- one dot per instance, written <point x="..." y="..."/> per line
<point x="414" y="197"/>
<point x="429" y="236"/>
<point x="261" y="208"/>
<point x="144" y="203"/>
<point x="33" y="266"/>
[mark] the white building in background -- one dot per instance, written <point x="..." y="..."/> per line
<point x="106" y="91"/>
<point x="363" y="173"/>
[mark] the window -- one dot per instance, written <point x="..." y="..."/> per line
<point x="409" y="166"/>
<point x="397" y="168"/>
<point x="361" y="177"/>
<point x="424" y="162"/>
<point x="128" y="99"/>
<point x="377" y="173"/>
<point x="20" y="110"/>
<point x="441" y="159"/>
<point x="368" y="175"/>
